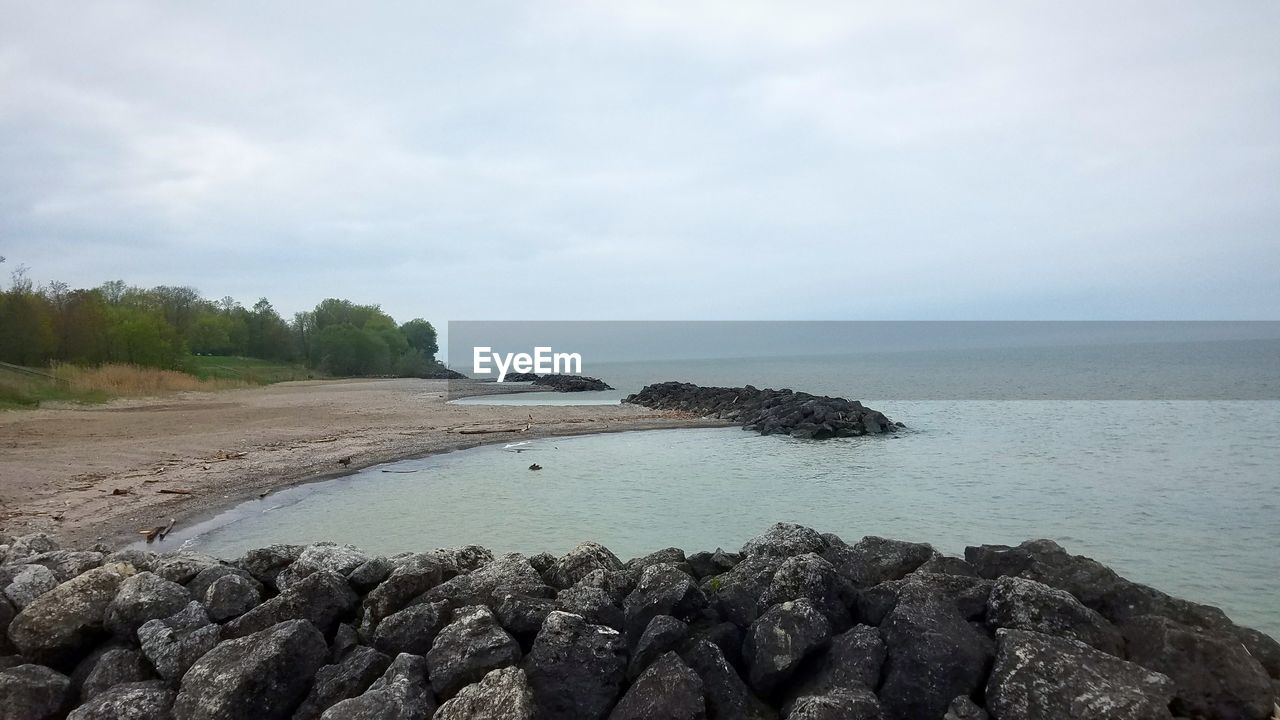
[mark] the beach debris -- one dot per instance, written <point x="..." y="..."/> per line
<point x="488" y="429"/>
<point x="234" y="455"/>
<point x="120" y="491"/>
<point x="325" y="440"/>
<point x="173" y="491"/>
<point x="535" y="466"/>
<point x="346" y="461"/>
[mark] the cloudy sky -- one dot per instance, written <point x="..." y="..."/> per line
<point x="654" y="160"/>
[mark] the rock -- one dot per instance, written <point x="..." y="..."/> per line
<point x="967" y="595"/>
<point x="593" y="604"/>
<point x="114" y="666"/>
<point x="322" y="597"/>
<point x="962" y="708"/>
<point x="1213" y="677"/>
<point x="1262" y="647"/>
<point x="726" y="694"/>
<point x="1041" y="676"/>
<point x="183" y="567"/>
<point x="175" y="643"/>
<point x="522" y="615"/>
<point x="321" y="557"/>
<point x="6" y="616"/>
<point x="932" y="656"/>
<point x="141" y="560"/>
<point x="668" y="690"/>
<point x="668" y="556"/>
<point x="837" y="704"/>
<point x="24" y="583"/>
<point x="66" y="564"/>
<point x="412" y="630"/>
<point x="575" y="669"/>
<point x="58" y="626"/>
<point x="728" y="637"/>
<point x="262" y="676"/>
<point x="947" y="565"/>
<point x="662" y="590"/>
<point x="402" y="693"/>
<point x="129" y="701"/>
<point x="810" y="577"/>
<point x="784" y="540"/>
<point x="411" y="578"/>
<point x="142" y="597"/>
<point x="231" y="596"/>
<point x="200" y="584"/>
<point x="664" y="633"/>
<point x="542" y="562"/>
<point x="502" y="695"/>
<point x="1021" y="604"/>
<point x="467" y="649"/>
<point x="33" y="692"/>
<point x="738" y="594"/>
<point x="465" y="559"/>
<point x="508" y="574"/>
<point x="266" y="564"/>
<point x="578" y="562"/>
<point x="33" y="544"/>
<point x="338" y="682"/>
<point x="780" y="640"/>
<point x="370" y="574"/>
<point x="853" y="661"/>
<point x="617" y="583"/>
<point x="707" y="564"/>
<point x="345" y="639"/>
<point x="874" y="560"/>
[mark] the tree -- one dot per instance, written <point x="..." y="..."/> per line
<point x="421" y="336"/>
<point x="348" y="350"/>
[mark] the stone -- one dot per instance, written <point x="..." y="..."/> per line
<point x="836" y="704"/>
<point x="266" y="564"/>
<point x="411" y="578"/>
<point x="592" y="603"/>
<point x="542" y="562"/>
<point x="708" y="564"/>
<point x="738" y="594"/>
<point x="503" y="694"/>
<point x="142" y="597"/>
<point x="465" y="559"/>
<point x="874" y="560"/>
<point x="575" y="669"/>
<point x="523" y="615"/>
<point x="183" y="567"/>
<point x="726" y="694"/>
<point x="33" y="692"/>
<point x="662" y="590"/>
<point x="24" y="583"/>
<point x="370" y="574"/>
<point x="963" y="708"/>
<point x="947" y="565"/>
<point x="141" y="560"/>
<point x="175" y="643"/>
<point x="57" y="626"/>
<point x="263" y="676"/>
<point x="150" y="700"/>
<point x="664" y="633"/>
<point x="784" y="540"/>
<point x="467" y="649"/>
<point x="809" y="577"/>
<point x="932" y="656"/>
<point x="1041" y="676"/>
<point x="578" y="562"/>
<point x="34" y="544"/>
<point x="402" y="693"/>
<point x="1213" y="677"/>
<point x="345" y="639"/>
<point x="322" y="597"/>
<point x="780" y="640"/>
<point x="668" y="690"/>
<point x="667" y="556"/>
<point x="66" y="564"/>
<point x="968" y="595"/>
<point x="111" y="667"/>
<point x="199" y="585"/>
<point x="328" y="557"/>
<point x="1262" y="647"/>
<point x="1022" y="604"/>
<point x="412" y="630"/>
<point x="853" y="661"/>
<point x="347" y="679"/>
<point x="508" y="574"/>
<point x="231" y="596"/>
<point x="618" y="584"/>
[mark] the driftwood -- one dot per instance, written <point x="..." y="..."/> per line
<point x="173" y="491"/>
<point x="159" y="531"/>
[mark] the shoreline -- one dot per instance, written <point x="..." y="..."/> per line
<point x="89" y="474"/>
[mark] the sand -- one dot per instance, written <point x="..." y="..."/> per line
<point x="102" y="473"/>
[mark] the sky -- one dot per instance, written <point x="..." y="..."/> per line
<point x="702" y="159"/>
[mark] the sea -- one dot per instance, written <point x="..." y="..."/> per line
<point x="1161" y="460"/>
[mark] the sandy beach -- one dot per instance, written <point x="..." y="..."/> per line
<point x="88" y="473"/>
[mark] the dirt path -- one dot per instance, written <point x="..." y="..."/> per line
<point x="89" y="473"/>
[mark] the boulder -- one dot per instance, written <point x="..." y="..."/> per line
<point x="150" y="700"/>
<point x="508" y="574"/>
<point x="780" y="640"/>
<point x="33" y="692"/>
<point x="104" y="670"/>
<point x="575" y="669"/>
<point x="346" y="679"/>
<point x="33" y="544"/>
<point x="1021" y="604"/>
<point x="522" y="615"/>
<point x="412" y="630"/>
<point x="947" y="565"/>
<point x="668" y="556"/>
<point x="370" y="574"/>
<point x="707" y="564"/>
<point x="23" y="583"/>
<point x="963" y="708"/>
<point x="322" y="597"/>
<point x="932" y="655"/>
<point x="412" y="577"/>
<point x="578" y="562"/>
<point x="199" y="585"/>
<point x="142" y="597"/>
<point x="58" y="626"/>
<point x="668" y="690"/>
<point x="618" y="584"/>
<point x="66" y="564"/>
<point x="263" y="676"/>
<point x="1041" y="676"/>
<point x="402" y="693"/>
<point x="853" y="661"/>
<point x="542" y="562"/>
<point x="465" y="559"/>
<point x="968" y="595"/>
<point x="874" y="560"/>
<point x="810" y="577"/>
<point x="266" y="564"/>
<point x="231" y="596"/>
<point x="726" y="694"/>
<point x="836" y="704"/>
<point x="662" y="590"/>
<point x="175" y="643"/>
<point x="467" y="649"/>
<point x="503" y="694"/>
<point x="7" y="614"/>
<point x="345" y="639"/>
<point x="592" y="603"/>
<point x="1213" y="677"/>
<point x="738" y="594"/>
<point x="784" y="540"/>
<point x="141" y="560"/>
<point x="1263" y="647"/>
<point x="322" y="557"/>
<point x="183" y="567"/>
<point x="664" y="633"/>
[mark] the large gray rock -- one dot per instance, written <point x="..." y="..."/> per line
<point x="1041" y="676"/>
<point x="263" y="676"/>
<point x="346" y="679"/>
<point x="932" y="656"/>
<point x="321" y="557"/>
<point x="874" y="560"/>
<point x="413" y="630"/>
<point x="465" y="559"/>
<point x="578" y="562"/>
<point x="402" y="693"/>
<point x="412" y="577"/>
<point x="509" y="574"/>
<point x="33" y="692"/>
<point x="662" y="590"/>
<point x="23" y="583"/>
<point x="266" y="564"/>
<point x="502" y="695"/>
<point x="150" y="700"/>
<point x="708" y="564"/>
<point x="370" y="574"/>
<point x="33" y="544"/>
<point x="1213" y="677"/>
<point x="853" y="661"/>
<point x="183" y="567"/>
<point x="175" y="643"/>
<point x="964" y="708"/>
<point x="111" y="667"/>
<point x="322" y="598"/>
<point x="667" y="556"/>
<point x="522" y="615"/>
<point x="968" y="595"/>
<point x="810" y="577"/>
<point x="668" y="690"/>
<point x="784" y="540"/>
<point x="57" y="626"/>
<point x="592" y="603"/>
<point x="1021" y="604"/>
<point x="664" y="633"/>
<point x="231" y="596"/>
<point x="199" y="585"/>
<point x="836" y="704"/>
<point x="780" y="640"/>
<point x="738" y="595"/>
<point x="576" y="669"/>
<point x="467" y="649"/>
<point x="66" y="564"/>
<point x="142" y="597"/>
<point x="726" y="694"/>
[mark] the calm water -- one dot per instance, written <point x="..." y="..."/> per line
<point x="1181" y="494"/>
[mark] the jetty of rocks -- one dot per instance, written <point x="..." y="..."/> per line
<point x="560" y="383"/>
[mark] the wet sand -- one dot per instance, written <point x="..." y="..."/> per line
<point x="88" y="473"/>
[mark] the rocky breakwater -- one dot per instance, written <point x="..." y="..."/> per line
<point x="769" y="412"/>
<point x="560" y="383"/>
<point x="798" y="625"/>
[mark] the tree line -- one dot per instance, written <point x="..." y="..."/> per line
<point x="162" y="326"/>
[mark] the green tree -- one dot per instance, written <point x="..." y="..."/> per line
<point x="348" y="350"/>
<point x="421" y="336"/>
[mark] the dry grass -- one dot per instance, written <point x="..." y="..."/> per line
<point x="134" y="381"/>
